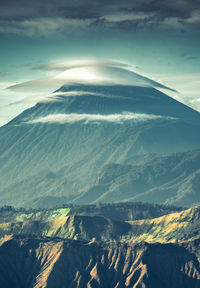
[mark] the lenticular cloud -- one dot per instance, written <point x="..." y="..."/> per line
<point x="116" y="118"/>
<point x="93" y="72"/>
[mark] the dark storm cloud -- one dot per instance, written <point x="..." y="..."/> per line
<point x="44" y="17"/>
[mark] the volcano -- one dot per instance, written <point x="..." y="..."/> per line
<point x="101" y="141"/>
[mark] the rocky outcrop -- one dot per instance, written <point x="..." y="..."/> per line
<point x="175" y="227"/>
<point x="30" y="262"/>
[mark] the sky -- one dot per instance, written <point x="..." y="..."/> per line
<point x="159" y="39"/>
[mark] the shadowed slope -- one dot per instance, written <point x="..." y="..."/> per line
<point x="81" y="264"/>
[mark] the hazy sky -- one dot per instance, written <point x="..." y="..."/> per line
<point x="161" y="39"/>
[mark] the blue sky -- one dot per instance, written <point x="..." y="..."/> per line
<point x="160" y="39"/>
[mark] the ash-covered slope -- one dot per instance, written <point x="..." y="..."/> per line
<point x="108" y="100"/>
<point x="53" y="152"/>
<point x="56" y="263"/>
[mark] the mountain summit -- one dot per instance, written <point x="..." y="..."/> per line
<point x="73" y="145"/>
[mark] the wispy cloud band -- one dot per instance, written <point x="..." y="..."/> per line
<point x="116" y="118"/>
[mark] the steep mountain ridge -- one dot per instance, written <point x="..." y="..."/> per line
<point x="55" y="263"/>
<point x="63" y="250"/>
<point x="174" y="227"/>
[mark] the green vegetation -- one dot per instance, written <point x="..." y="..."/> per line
<point x="85" y="225"/>
<point x="10" y="214"/>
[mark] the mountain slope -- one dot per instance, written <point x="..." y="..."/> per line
<point x="126" y="211"/>
<point x="170" y="179"/>
<point x="55" y="150"/>
<point x="118" y="257"/>
<point x="78" y="264"/>
<point x="174" y="227"/>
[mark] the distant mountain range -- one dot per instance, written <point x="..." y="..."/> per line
<point x="94" y="143"/>
<point x="172" y="178"/>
